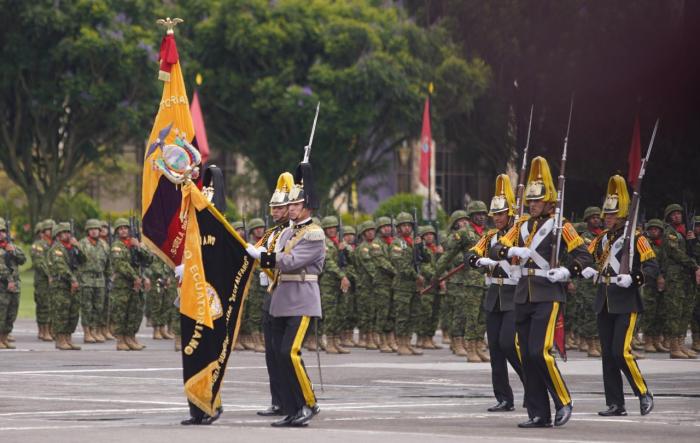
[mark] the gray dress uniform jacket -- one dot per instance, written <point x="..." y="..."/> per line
<point x="300" y="253"/>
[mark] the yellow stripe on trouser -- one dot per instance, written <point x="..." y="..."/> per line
<point x="517" y="349"/>
<point x="554" y="374"/>
<point x="629" y="358"/>
<point x="302" y="377"/>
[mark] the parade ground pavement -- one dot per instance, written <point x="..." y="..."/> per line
<point x="101" y="395"/>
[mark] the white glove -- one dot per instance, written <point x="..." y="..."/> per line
<point x="485" y="261"/>
<point x="558" y="274"/>
<point x="254" y="252"/>
<point x="264" y="280"/>
<point x="624" y="280"/>
<point x="589" y="273"/>
<point x="179" y="270"/>
<point x="516" y="251"/>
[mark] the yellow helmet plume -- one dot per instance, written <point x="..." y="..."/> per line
<point x="617" y="199"/>
<point x="285" y="183"/>
<point x="503" y="198"/>
<point x="540" y="185"/>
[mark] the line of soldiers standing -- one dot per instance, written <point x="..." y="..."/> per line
<point x="104" y="283"/>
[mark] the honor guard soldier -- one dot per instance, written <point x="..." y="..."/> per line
<point x="92" y="277"/>
<point x="297" y="261"/>
<point x="40" y="248"/>
<point x="63" y="259"/>
<point x="501" y="278"/>
<point x="280" y="216"/>
<point x="540" y="293"/>
<point x="618" y="300"/>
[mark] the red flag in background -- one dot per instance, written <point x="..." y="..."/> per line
<point x="199" y="129"/>
<point x="634" y="159"/>
<point x="426" y="140"/>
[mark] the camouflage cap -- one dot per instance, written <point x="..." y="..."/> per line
<point x="60" y="227"/>
<point x="426" y="229"/>
<point x="3" y="224"/>
<point x="349" y="230"/>
<point x="38" y="227"/>
<point x="655" y="223"/>
<point x="255" y="223"/>
<point x="118" y="223"/>
<point x="476" y="206"/>
<point x="382" y="221"/>
<point x="364" y="226"/>
<point x="457" y="215"/>
<point x="673" y="207"/>
<point x="329" y="221"/>
<point x="238" y="224"/>
<point x="92" y="223"/>
<point x="104" y="224"/>
<point x="48" y="224"/>
<point x="404" y="217"/>
<point x="590" y="212"/>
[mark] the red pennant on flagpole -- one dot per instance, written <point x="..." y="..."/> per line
<point x="426" y="139"/>
<point x="634" y="158"/>
<point x="199" y="129"/>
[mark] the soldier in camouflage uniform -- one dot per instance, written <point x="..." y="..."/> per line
<point x="585" y="294"/>
<point x="347" y="263"/>
<point x="384" y="338"/>
<point x="466" y="287"/>
<point x="407" y="257"/>
<point x="11" y="258"/>
<point x="40" y="248"/>
<point x="694" y="250"/>
<point x="63" y="260"/>
<point x="251" y="336"/>
<point x="92" y="278"/>
<point x="106" y="237"/>
<point x="334" y="285"/>
<point x="127" y="256"/>
<point x="240" y="228"/>
<point x="160" y="297"/>
<point x="681" y="277"/>
<point x="653" y="293"/>
<point x="430" y="301"/>
<point x="366" y="271"/>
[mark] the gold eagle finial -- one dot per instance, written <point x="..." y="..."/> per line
<point x="169" y="23"/>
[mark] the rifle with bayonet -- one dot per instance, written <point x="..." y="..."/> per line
<point x="630" y="231"/>
<point x="417" y="246"/>
<point x="559" y="208"/>
<point x="520" y="198"/>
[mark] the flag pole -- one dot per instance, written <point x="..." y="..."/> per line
<point x="430" y="160"/>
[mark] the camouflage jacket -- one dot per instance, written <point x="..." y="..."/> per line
<point x="63" y="263"/>
<point x="364" y="264"/>
<point x="329" y="281"/>
<point x="126" y="261"/>
<point x="160" y="274"/>
<point x="9" y="266"/>
<point x="38" y="253"/>
<point x="401" y="254"/>
<point x="679" y="265"/>
<point x="384" y="266"/>
<point x="457" y="244"/>
<point x="93" y="273"/>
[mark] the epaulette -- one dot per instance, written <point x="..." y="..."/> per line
<point x="593" y="245"/>
<point x="376" y="246"/>
<point x="314" y="233"/>
<point x="58" y="252"/>
<point x="645" y="250"/>
<point x="571" y="237"/>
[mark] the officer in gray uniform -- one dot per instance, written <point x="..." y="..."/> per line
<point x="297" y="261"/>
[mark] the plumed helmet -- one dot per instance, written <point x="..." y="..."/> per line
<point x="540" y="185"/>
<point x="617" y="199"/>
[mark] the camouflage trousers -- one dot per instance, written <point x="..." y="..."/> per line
<point x="252" y="316"/>
<point x="160" y="301"/>
<point x="585" y="323"/>
<point x="92" y="307"/>
<point x="42" y="300"/>
<point x="675" y="302"/>
<point x="366" y="309"/>
<point x="467" y="319"/>
<point x="652" y="319"/>
<point x="407" y="305"/>
<point x="695" y="322"/>
<point x="127" y="310"/>
<point x="333" y="307"/>
<point x="429" y="314"/>
<point x="385" y="302"/>
<point x="349" y="318"/>
<point x="65" y="309"/>
<point x="446" y="312"/>
<point x="9" y="306"/>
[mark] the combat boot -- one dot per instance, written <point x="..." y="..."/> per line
<point x="675" y="351"/>
<point x="156" y="333"/>
<point x="391" y="341"/>
<point x="87" y="335"/>
<point x="362" y="340"/>
<point x="371" y="345"/>
<point x="339" y="346"/>
<point x="687" y="351"/>
<point x="582" y="344"/>
<point x="649" y="344"/>
<point x="593" y="347"/>
<point x="132" y="343"/>
<point x="696" y="342"/>
<point x="471" y="351"/>
<point x="483" y="354"/>
<point x="4" y="339"/>
<point x="43" y="333"/>
<point x="330" y="347"/>
<point x="637" y="345"/>
<point x="428" y="343"/>
<point x="639" y="355"/>
<point x="345" y="340"/>
<point x="40" y="332"/>
<point x="62" y="343"/>
<point x="666" y="341"/>
<point x="69" y="340"/>
<point x="481" y="345"/>
<point x="446" y="339"/>
<point x="414" y="349"/>
<point x="10" y="338"/>
<point x="570" y="341"/>
<point x="458" y="347"/>
<point x="167" y="335"/>
<point x="107" y="333"/>
<point x="97" y="335"/>
<point x="259" y="342"/>
<point x="247" y="343"/>
<point x="2" y="342"/>
<point x="178" y="346"/>
<point x="659" y="345"/>
<point x="121" y="344"/>
<point x="384" y="344"/>
<point x="403" y="346"/>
